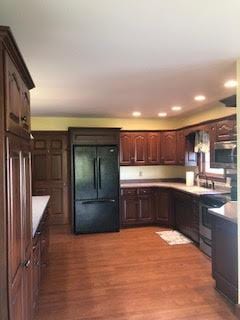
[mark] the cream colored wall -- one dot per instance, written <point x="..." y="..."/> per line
<point x="153" y="172"/>
<point x="62" y="123"/>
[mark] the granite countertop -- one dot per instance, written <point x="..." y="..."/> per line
<point x="195" y="190"/>
<point x="228" y="211"/>
<point x="39" y="204"/>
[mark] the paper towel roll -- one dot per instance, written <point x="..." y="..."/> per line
<point x="190" y="178"/>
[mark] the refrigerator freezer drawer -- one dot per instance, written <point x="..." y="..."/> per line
<point x="96" y="216"/>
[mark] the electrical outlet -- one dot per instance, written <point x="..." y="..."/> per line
<point x="140" y="173"/>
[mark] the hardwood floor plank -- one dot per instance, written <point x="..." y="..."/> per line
<point x="130" y="275"/>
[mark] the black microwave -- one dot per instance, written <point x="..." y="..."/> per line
<point x="225" y="154"/>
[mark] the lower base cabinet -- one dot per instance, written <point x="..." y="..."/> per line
<point x="137" y="206"/>
<point x="224" y="257"/>
<point x="186" y="215"/>
<point x="40" y="256"/>
<point x="161" y="206"/>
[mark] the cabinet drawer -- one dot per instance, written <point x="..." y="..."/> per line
<point x="145" y="191"/>
<point x="129" y="191"/>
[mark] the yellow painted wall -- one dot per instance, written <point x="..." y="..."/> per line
<point x="62" y="123"/>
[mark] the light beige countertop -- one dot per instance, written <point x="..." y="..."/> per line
<point x="39" y="204"/>
<point x="195" y="190"/>
<point x="228" y="211"/>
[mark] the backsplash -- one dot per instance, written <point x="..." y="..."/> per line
<point x="152" y="172"/>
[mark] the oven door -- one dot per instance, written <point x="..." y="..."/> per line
<point x="225" y="155"/>
<point x="205" y="222"/>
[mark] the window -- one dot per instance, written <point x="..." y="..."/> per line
<point x="205" y="169"/>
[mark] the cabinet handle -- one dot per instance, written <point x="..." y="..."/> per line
<point x="38" y="233"/>
<point x="27" y="264"/>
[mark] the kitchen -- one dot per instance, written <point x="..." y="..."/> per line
<point x="123" y="210"/>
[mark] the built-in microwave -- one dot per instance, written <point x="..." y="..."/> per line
<point x="225" y="154"/>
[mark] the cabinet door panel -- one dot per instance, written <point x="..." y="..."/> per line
<point x="126" y="156"/>
<point x="129" y="210"/>
<point x="146" y="213"/>
<point x="225" y="130"/>
<point x="140" y="148"/>
<point x="181" y="147"/>
<point x="13" y="96"/>
<point x="153" y="148"/>
<point x="163" y="206"/>
<point x="169" y="147"/>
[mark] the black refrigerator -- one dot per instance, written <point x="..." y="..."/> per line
<point x="96" y="188"/>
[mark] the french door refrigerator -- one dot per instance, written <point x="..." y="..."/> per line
<point x="96" y="189"/>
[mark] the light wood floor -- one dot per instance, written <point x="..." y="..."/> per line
<point x="130" y="275"/>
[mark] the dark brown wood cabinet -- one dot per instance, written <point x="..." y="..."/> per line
<point x="181" y="147"/>
<point x="137" y="206"/>
<point x="40" y="256"/>
<point x="50" y="172"/>
<point x="163" y="198"/>
<point x="140" y="148"/>
<point x="224" y="257"/>
<point x="186" y="214"/>
<point x="226" y="130"/>
<point x="15" y="184"/>
<point x="153" y="148"/>
<point x="169" y="147"/>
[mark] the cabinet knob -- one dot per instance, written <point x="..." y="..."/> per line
<point x="24" y="119"/>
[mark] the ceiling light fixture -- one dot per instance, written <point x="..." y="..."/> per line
<point x="136" y="114"/>
<point x="176" y="108"/>
<point x="199" y="98"/>
<point x="230" y="84"/>
<point x="162" y="114"/>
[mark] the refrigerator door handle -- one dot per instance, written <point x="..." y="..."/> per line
<point x="94" y="173"/>
<point x="99" y="173"/>
<point x="98" y="200"/>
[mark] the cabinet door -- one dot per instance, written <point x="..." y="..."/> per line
<point x="153" y="148"/>
<point x="181" y="147"/>
<point x="15" y="232"/>
<point x="163" y="207"/>
<point x="225" y="130"/>
<point x="140" y="148"/>
<point x="146" y="213"/>
<point x="169" y="147"/>
<point x="129" y="210"/>
<point x="13" y="97"/>
<point x="126" y="149"/>
<point x="184" y="214"/>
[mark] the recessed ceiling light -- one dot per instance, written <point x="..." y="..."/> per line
<point x="230" y="84"/>
<point x="199" y="98"/>
<point x="176" y="108"/>
<point x="162" y="114"/>
<point x="136" y="114"/>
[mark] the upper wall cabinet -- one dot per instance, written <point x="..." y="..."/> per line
<point x="17" y="101"/>
<point x="181" y="147"/>
<point x="169" y="147"/>
<point x="153" y="148"/>
<point x="139" y="148"/>
<point x="226" y="130"/>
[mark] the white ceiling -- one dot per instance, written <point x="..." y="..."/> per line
<point x="111" y="57"/>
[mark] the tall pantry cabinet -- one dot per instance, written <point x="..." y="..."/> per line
<point x="15" y="183"/>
